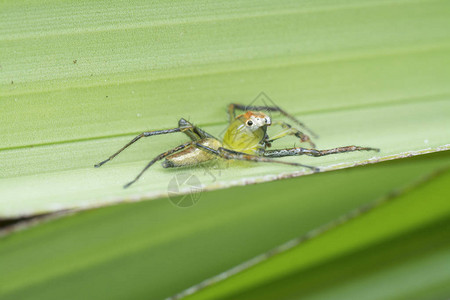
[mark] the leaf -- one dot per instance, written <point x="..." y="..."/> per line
<point x="380" y="255"/>
<point x="154" y="249"/>
<point x="80" y="79"/>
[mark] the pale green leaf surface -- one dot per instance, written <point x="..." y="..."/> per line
<point x="50" y="187"/>
<point x="152" y="249"/>
<point x="400" y="250"/>
<point x="373" y="73"/>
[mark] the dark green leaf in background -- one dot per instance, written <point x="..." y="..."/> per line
<point x="153" y="250"/>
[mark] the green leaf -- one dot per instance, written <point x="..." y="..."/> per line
<point x="153" y="249"/>
<point x="383" y="254"/>
<point x="79" y="79"/>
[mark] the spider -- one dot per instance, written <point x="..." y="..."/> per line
<point x="245" y="139"/>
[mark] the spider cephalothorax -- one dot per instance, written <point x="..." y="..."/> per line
<point x="247" y="132"/>
<point x="245" y="139"/>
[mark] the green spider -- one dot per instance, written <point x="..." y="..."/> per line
<point x="245" y="139"/>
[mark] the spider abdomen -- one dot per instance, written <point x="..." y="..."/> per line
<point x="192" y="155"/>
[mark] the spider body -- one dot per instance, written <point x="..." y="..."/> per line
<point x="246" y="134"/>
<point x="192" y="155"/>
<point x="245" y="139"/>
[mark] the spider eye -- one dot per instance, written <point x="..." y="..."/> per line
<point x="249" y="123"/>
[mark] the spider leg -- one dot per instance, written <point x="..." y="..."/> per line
<point x="231" y="112"/>
<point x="157" y="158"/>
<point x="233" y="106"/>
<point x="315" y="152"/>
<point x="183" y="126"/>
<point x="230" y="154"/>
<point x="195" y="133"/>
<point x="289" y="130"/>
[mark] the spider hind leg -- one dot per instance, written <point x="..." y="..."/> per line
<point x="183" y="126"/>
<point x="157" y="158"/>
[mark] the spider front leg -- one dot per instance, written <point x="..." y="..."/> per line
<point x="314" y="152"/>
<point x="289" y="130"/>
<point x="231" y="154"/>
<point x="157" y="158"/>
<point x="233" y="106"/>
